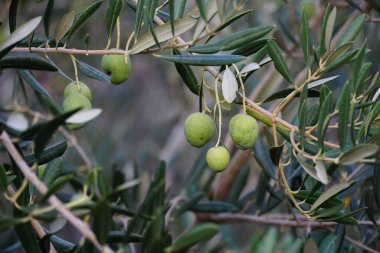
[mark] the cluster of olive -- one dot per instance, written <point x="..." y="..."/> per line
<point x="199" y="128"/>
<point x="78" y="95"/>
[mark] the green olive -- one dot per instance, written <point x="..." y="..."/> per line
<point x="73" y="88"/>
<point x="243" y="130"/>
<point x="117" y="66"/>
<point x="217" y="158"/>
<point x="74" y="101"/>
<point x="199" y="129"/>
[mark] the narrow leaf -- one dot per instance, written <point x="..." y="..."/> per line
<point x="344" y="114"/>
<point x="329" y="193"/>
<point x="229" y="86"/>
<point x="203" y="60"/>
<point x="163" y="33"/>
<point x="63" y="26"/>
<point x="353" y="31"/>
<point x="304" y="37"/>
<point x="92" y="72"/>
<point x="278" y="60"/>
<point x="19" y="34"/>
<point x="358" y="153"/>
<point x="26" y="61"/>
<point x="320" y="82"/>
<point x="324" y="118"/>
<point x="330" y="28"/>
<point x="83" y="16"/>
<point x="30" y="80"/>
<point x="112" y="15"/>
<point x="187" y="75"/>
<point x="47" y="16"/>
<point x="52" y="171"/>
<point x="13" y="15"/>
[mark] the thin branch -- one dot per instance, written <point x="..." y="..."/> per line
<point x="82" y="226"/>
<point x="277" y="220"/>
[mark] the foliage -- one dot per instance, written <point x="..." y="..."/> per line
<point x="315" y="166"/>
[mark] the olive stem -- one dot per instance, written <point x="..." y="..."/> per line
<point x="75" y="71"/>
<point x="219" y="112"/>
<point x="118" y="33"/>
<point x="242" y="88"/>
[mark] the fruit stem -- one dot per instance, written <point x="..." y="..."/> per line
<point x="219" y="111"/>
<point x="75" y="71"/>
<point x="242" y="88"/>
<point x="118" y="33"/>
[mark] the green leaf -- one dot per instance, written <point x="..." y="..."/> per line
<point x="92" y="72"/>
<point x="353" y="31"/>
<point x="48" y="130"/>
<point x="275" y="154"/>
<point x="229" y="86"/>
<point x="322" y="48"/>
<point x="344" y="114"/>
<point x="232" y="19"/>
<point x="338" y="52"/>
<point x="340" y="61"/>
<point x="163" y="33"/>
<point x="238" y="185"/>
<point x="3" y="180"/>
<point x="376" y="182"/>
<point x="326" y="212"/>
<point x="13" y="15"/>
<point x="278" y="60"/>
<point x="233" y="41"/>
<point x="304" y="37"/>
<point x="48" y="154"/>
<point x="26" y="61"/>
<point x="285" y="92"/>
<point x="63" y="26"/>
<point x="32" y="82"/>
<point x="329" y="194"/>
<point x="187" y="75"/>
<point x="328" y="244"/>
<point x="83" y="16"/>
<point x="112" y="15"/>
<point x="101" y="222"/>
<point x="320" y="82"/>
<point x="310" y="246"/>
<point x="203" y="60"/>
<point x="214" y="206"/>
<point x="26" y="234"/>
<point x="324" y="118"/>
<point x="202" y="7"/>
<point x="251" y="48"/>
<point x="55" y="186"/>
<point x="19" y="34"/>
<point x="369" y="203"/>
<point x="139" y="17"/>
<point x="330" y="28"/>
<point x="52" y="171"/>
<point x="47" y="16"/>
<point x="357" y="153"/>
<point x="180" y="8"/>
<point x="268" y="242"/>
<point x="203" y="232"/>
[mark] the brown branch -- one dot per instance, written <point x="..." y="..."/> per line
<point x="277" y="220"/>
<point x="82" y="226"/>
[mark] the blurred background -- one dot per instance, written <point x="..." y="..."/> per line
<point x="142" y="119"/>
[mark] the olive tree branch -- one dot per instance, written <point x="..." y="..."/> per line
<point x="82" y="226"/>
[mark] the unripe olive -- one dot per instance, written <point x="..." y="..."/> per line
<point x="73" y="88"/>
<point x="243" y="130"/>
<point x="117" y="66"/>
<point x="74" y="101"/>
<point x="218" y="158"/>
<point x="199" y="129"/>
<point x="309" y="8"/>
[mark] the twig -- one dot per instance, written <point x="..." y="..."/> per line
<point x="53" y="200"/>
<point x="278" y="220"/>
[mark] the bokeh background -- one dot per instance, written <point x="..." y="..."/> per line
<point x="142" y="119"/>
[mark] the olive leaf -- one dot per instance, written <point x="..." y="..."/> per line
<point x="229" y="86"/>
<point x="63" y="26"/>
